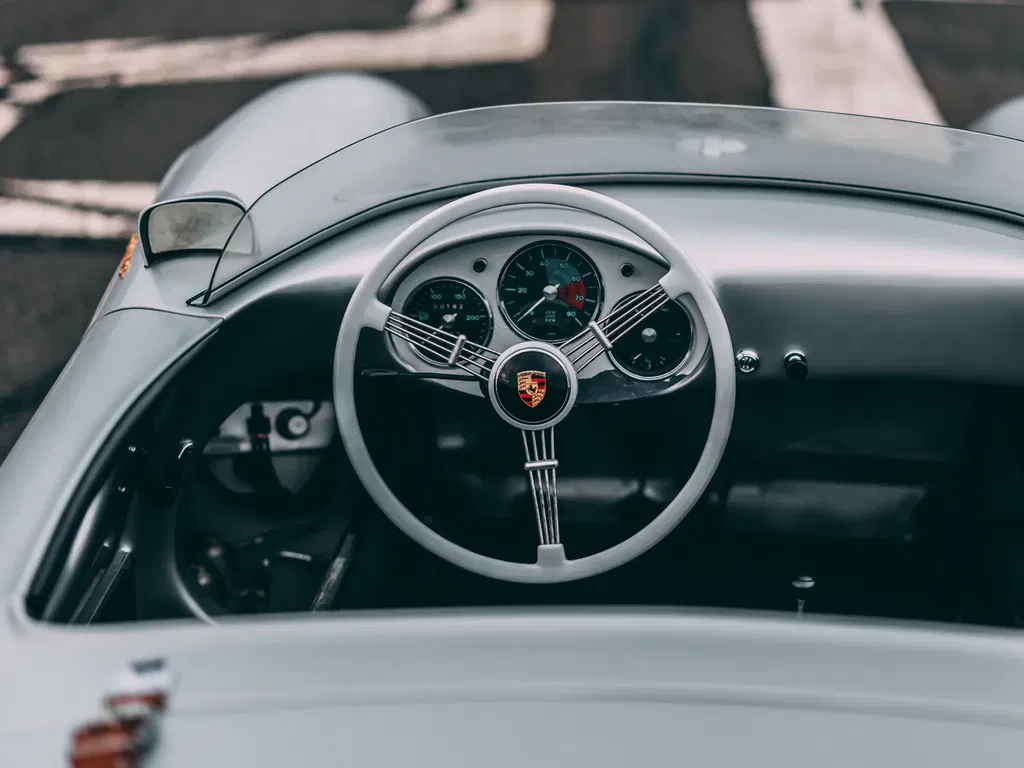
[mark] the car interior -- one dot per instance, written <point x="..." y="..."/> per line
<point x="847" y="487"/>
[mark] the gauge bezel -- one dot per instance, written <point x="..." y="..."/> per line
<point x="682" y="363"/>
<point x="537" y="244"/>
<point x="467" y="284"/>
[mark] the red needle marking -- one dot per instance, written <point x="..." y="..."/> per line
<point x="573" y="293"/>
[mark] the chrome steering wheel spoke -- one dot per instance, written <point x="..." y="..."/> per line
<point x="455" y="349"/>
<point x="541" y="468"/>
<point x="598" y="338"/>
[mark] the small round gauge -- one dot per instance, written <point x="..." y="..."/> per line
<point x="549" y="291"/>
<point x="658" y="345"/>
<point x="449" y="305"/>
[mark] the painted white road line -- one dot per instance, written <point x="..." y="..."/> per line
<point x="10" y="116"/>
<point x="39" y="219"/>
<point x="34" y="208"/>
<point x="827" y="55"/>
<point x="439" y="35"/>
<point x="126" y="197"/>
<point x="487" y="31"/>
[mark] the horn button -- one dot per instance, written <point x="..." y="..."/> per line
<point x="532" y="386"/>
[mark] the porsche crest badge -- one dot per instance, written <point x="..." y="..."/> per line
<point x="532" y="385"/>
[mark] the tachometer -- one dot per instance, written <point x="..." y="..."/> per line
<point x="549" y="291"/>
<point x="449" y="305"/>
<point x="658" y="345"/>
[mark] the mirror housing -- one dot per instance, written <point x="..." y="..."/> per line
<point x="187" y="226"/>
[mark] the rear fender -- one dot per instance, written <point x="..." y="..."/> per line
<point x="1006" y="119"/>
<point x="284" y="130"/>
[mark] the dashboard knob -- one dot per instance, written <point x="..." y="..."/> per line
<point x="795" y="365"/>
<point x="747" y="361"/>
<point x="292" y="424"/>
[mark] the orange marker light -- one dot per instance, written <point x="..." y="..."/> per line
<point x="126" y="260"/>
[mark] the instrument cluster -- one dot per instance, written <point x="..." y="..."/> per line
<point x="548" y="290"/>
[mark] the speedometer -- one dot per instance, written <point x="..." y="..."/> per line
<point x="450" y="306"/>
<point x="549" y="291"/>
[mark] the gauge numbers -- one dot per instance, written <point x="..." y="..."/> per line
<point x="657" y="346"/>
<point x="449" y="305"/>
<point x="549" y="291"/>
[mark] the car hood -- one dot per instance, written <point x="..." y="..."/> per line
<point x="509" y="689"/>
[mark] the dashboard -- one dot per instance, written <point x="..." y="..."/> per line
<point x="866" y="290"/>
<point x="503" y="290"/>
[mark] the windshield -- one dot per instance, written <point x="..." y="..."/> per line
<point x="589" y="142"/>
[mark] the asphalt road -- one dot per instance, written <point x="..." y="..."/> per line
<point x="969" y="55"/>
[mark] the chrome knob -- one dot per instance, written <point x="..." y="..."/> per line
<point x="747" y="361"/>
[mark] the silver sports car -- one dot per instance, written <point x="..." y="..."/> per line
<point x="565" y="434"/>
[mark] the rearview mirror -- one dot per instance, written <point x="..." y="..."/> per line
<point x="179" y="227"/>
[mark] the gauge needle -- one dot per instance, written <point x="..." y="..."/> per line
<point x="447" y="321"/>
<point x="550" y="294"/>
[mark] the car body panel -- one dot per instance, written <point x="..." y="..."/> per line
<point x="1006" y="119"/>
<point x="284" y="130"/>
<point x="120" y="357"/>
<point x="165" y="286"/>
<point x="575" y="688"/>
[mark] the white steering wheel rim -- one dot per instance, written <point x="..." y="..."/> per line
<point x="365" y="310"/>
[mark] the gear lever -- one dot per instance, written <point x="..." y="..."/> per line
<point x="803" y="586"/>
<point x="258" y="426"/>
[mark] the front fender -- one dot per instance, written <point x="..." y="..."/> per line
<point x="286" y="129"/>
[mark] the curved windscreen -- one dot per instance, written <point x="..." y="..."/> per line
<point x="588" y="142"/>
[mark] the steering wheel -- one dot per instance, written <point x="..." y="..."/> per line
<point x="533" y="385"/>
